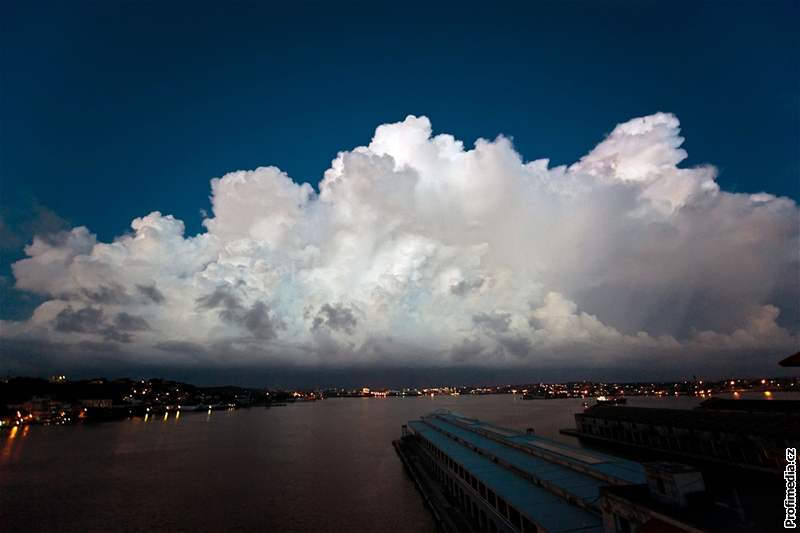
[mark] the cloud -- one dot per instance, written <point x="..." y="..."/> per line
<point x="257" y="319"/>
<point x="494" y="322"/>
<point x="86" y="320"/>
<point x="260" y="322"/>
<point x="92" y="320"/>
<point x="151" y="292"/>
<point x="105" y="294"/>
<point x="336" y="317"/>
<point x="418" y="250"/>
<point x="127" y="322"/>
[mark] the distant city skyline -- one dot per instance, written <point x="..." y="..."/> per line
<point x="497" y="205"/>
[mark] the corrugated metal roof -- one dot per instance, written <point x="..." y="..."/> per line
<point x="603" y="464"/>
<point x="538" y="504"/>
<point x="578" y="484"/>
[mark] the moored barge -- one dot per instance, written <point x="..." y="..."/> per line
<point x="479" y="477"/>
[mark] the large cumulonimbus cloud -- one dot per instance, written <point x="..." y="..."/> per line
<point x="419" y="251"/>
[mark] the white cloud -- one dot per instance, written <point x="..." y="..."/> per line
<point x="417" y="250"/>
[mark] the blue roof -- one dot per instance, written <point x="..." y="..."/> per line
<point x="538" y="504"/>
<point x="620" y="470"/>
<point x="578" y="484"/>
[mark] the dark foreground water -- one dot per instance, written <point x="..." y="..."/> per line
<point x="322" y="466"/>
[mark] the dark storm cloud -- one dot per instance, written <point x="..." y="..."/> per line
<point x="86" y="320"/>
<point x="181" y="347"/>
<point x="127" y="322"/>
<point x="336" y="317"/>
<point x="92" y="320"/>
<point x="112" y="334"/>
<point x="257" y="319"/>
<point x="494" y="322"/>
<point x="464" y="286"/>
<point x="466" y="350"/>
<point x="517" y="346"/>
<point x="151" y="292"/>
<point x="107" y="294"/>
<point x="260" y="323"/>
<point x="220" y="298"/>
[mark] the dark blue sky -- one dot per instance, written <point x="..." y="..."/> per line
<point x="111" y="110"/>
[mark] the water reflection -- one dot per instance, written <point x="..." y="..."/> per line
<point x="311" y="466"/>
<point x="9" y="445"/>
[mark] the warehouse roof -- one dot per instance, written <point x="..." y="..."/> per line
<point x="538" y="504"/>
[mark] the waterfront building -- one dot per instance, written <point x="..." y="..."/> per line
<point x="750" y="435"/>
<point x="479" y="477"/>
<point x="96" y="403"/>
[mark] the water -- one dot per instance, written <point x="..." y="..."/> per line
<point x="322" y="466"/>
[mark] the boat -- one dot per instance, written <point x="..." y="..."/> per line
<point x="489" y="472"/>
<point x="531" y="396"/>
<point x="611" y="400"/>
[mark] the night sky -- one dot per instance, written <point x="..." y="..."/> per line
<point x="112" y="110"/>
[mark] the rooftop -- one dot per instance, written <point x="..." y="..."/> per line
<point x="781" y="425"/>
<point x="792" y="360"/>
<point x="700" y="513"/>
<point x="606" y="468"/>
<point x="538" y="504"/>
<point x="758" y="406"/>
<point x="555" y="485"/>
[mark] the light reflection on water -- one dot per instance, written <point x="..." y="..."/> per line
<point x="321" y="466"/>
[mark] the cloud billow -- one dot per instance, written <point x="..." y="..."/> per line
<point x="419" y="251"/>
